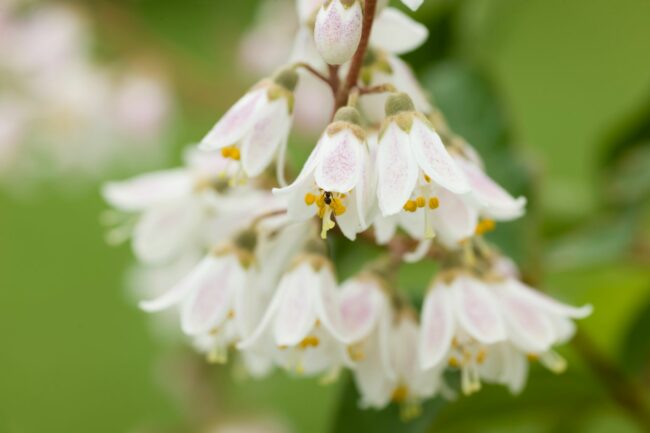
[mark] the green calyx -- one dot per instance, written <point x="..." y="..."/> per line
<point x="348" y="114"/>
<point x="287" y="78"/>
<point x="246" y="240"/>
<point x="399" y="103"/>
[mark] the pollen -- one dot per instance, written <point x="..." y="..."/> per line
<point x="410" y="206"/>
<point x="454" y="362"/>
<point x="420" y="202"/>
<point x="310" y="341"/>
<point x="427" y="179"/>
<point x="481" y="356"/>
<point x="434" y="203"/>
<point x="485" y="226"/>
<point x="231" y="152"/>
<point x="310" y="199"/>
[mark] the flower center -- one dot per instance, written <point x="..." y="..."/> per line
<point x="328" y="203"/>
<point x="468" y="356"/>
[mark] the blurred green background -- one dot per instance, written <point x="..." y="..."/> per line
<point x="554" y="94"/>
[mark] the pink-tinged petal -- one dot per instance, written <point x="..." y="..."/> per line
<point x="413" y="4"/>
<point x="164" y="231"/>
<point x="529" y="328"/>
<point x="360" y="303"/>
<point x="340" y="164"/>
<point x="397" y="170"/>
<point x="261" y="143"/>
<point x="437" y="327"/>
<point x="496" y="201"/>
<point x="237" y="121"/>
<point x="295" y="316"/>
<point x="214" y="283"/>
<point x="549" y="304"/>
<point x="435" y="161"/>
<point x="396" y="32"/>
<point x="327" y="303"/>
<point x="477" y="311"/>
<point x="337" y="31"/>
<point x="455" y="219"/>
<point x="148" y="190"/>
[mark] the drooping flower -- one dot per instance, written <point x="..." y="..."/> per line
<point x="413" y="165"/>
<point x="338" y="30"/>
<point x="335" y="180"/>
<point x="255" y="130"/>
<point x="467" y="319"/>
<point x="303" y="321"/>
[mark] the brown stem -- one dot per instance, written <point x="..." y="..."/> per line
<point x="381" y="88"/>
<point x="370" y="7"/>
<point x="314" y="72"/>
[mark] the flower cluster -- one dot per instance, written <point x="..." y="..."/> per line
<point x="60" y="111"/>
<point x="263" y="282"/>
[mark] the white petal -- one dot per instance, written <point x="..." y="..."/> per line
<point x="263" y="140"/>
<point x="349" y="222"/>
<point x="497" y="202"/>
<point x="371" y="378"/>
<point x="396" y="32"/>
<point x="327" y="303"/>
<point x="477" y="311"/>
<point x="214" y="282"/>
<point x="340" y="162"/>
<point x="549" y="304"/>
<point x="435" y="161"/>
<point x="397" y="170"/>
<point x="437" y="327"/>
<point x="454" y="220"/>
<point x="529" y="328"/>
<point x="237" y="121"/>
<point x="385" y="228"/>
<point x="161" y="275"/>
<point x="360" y="303"/>
<point x="306" y="172"/>
<point x="148" y="190"/>
<point x="295" y="316"/>
<point x="413" y="4"/>
<point x="165" y="231"/>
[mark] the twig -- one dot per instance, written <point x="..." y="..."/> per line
<point x="369" y="10"/>
<point x="313" y="71"/>
<point x="381" y="88"/>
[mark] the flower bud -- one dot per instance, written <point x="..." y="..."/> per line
<point x="338" y="30"/>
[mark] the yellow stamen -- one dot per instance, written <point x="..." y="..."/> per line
<point x="427" y="179"/>
<point x="434" y="203"/>
<point x="310" y="199"/>
<point x="481" y="355"/>
<point x="420" y="202"/>
<point x="235" y="154"/>
<point x="454" y="362"/>
<point x="400" y="394"/>
<point x="356" y="353"/>
<point x="485" y="226"/>
<point x="310" y="341"/>
<point x="410" y="206"/>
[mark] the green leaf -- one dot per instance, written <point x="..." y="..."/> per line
<point x="352" y="419"/>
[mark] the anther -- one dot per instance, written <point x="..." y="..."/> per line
<point x="420" y="202"/>
<point x="310" y="199"/>
<point x="410" y="206"/>
<point x="434" y="203"/>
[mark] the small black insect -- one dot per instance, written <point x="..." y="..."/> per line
<point x="328" y="198"/>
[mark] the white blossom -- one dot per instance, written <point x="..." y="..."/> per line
<point x="338" y="30"/>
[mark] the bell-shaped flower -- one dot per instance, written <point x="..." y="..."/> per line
<point x="214" y="297"/>
<point x="303" y="320"/>
<point x="335" y="180"/>
<point x="391" y="372"/>
<point x="414" y="169"/>
<point x="468" y="319"/>
<point x="338" y="30"/>
<point x="255" y="130"/>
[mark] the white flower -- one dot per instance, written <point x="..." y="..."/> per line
<point x="185" y="210"/>
<point x="335" y="178"/>
<point x="338" y="30"/>
<point x="413" y="166"/>
<point x="255" y="130"/>
<point x="462" y="321"/>
<point x="303" y="321"/>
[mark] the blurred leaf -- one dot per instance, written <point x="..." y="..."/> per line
<point x="636" y="347"/>
<point x="602" y="242"/>
<point x="352" y="419"/>
<point x="629" y="181"/>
